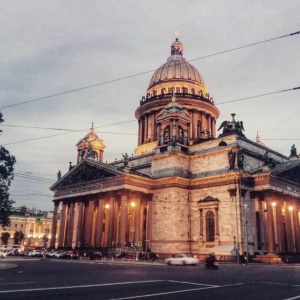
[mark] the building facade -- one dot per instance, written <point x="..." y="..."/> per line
<point x="187" y="188"/>
<point x="31" y="223"/>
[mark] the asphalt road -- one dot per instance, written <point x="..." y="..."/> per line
<point x="63" y="279"/>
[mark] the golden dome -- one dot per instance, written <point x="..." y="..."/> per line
<point x="91" y="139"/>
<point x="177" y="70"/>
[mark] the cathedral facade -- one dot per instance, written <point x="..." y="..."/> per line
<point x="187" y="189"/>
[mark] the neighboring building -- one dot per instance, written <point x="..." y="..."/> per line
<point x="185" y="190"/>
<point x="32" y="223"/>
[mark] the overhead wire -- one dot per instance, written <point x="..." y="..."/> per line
<point x="119" y="79"/>
<point x="146" y="72"/>
<point x="84" y="130"/>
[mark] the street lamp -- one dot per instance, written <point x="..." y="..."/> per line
<point x="147" y="218"/>
<point x="246" y="231"/>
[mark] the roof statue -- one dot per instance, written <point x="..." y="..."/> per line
<point x="91" y="152"/>
<point x="293" y="151"/>
<point x="126" y="159"/>
<point x="59" y="175"/>
<point x="268" y="161"/>
<point x="232" y="127"/>
<point x="266" y="158"/>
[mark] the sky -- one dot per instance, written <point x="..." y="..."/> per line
<point x="53" y="47"/>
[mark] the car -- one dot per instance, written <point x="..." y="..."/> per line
<point x="2" y="254"/>
<point x="35" y="253"/>
<point x="182" y="259"/>
<point x="59" y="254"/>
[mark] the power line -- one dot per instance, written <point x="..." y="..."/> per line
<point x="260" y="95"/>
<point x="33" y="177"/>
<point x="80" y="130"/>
<point x="26" y="195"/>
<point x="54" y="135"/>
<point x="146" y="72"/>
<point x="32" y="173"/>
<point x="63" y="129"/>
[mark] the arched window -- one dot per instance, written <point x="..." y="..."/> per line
<point x="210" y="226"/>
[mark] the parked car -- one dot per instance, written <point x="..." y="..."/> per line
<point x="51" y="254"/>
<point x="182" y="259"/>
<point x="59" y="254"/>
<point x="70" y="255"/>
<point x="37" y="253"/>
<point x="2" y="254"/>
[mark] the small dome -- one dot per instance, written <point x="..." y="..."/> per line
<point x="222" y="144"/>
<point x="91" y="139"/>
<point x="91" y="136"/>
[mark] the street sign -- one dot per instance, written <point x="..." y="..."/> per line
<point x="234" y="241"/>
<point x="132" y="229"/>
<point x="140" y="244"/>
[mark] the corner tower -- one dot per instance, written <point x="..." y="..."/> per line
<point x="90" y="143"/>
<point x="176" y="78"/>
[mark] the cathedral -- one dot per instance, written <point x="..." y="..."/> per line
<point x="188" y="188"/>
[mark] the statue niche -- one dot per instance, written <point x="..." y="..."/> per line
<point x="231" y="159"/>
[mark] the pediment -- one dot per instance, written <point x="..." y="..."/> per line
<point x="288" y="171"/>
<point x="181" y="114"/>
<point x="87" y="171"/>
<point x="208" y="199"/>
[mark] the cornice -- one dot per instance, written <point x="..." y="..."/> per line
<point x="213" y="152"/>
<point x="168" y="154"/>
<point x="187" y="103"/>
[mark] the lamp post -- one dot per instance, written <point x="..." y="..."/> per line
<point x="246" y="231"/>
<point x="146" y="235"/>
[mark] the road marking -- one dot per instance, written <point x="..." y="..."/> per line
<point x="297" y="297"/>
<point x="77" y="286"/>
<point x="175" y="292"/>
<point x="278" y="283"/>
<point x="5" y="283"/>
<point x="193" y="283"/>
<point x="118" y="283"/>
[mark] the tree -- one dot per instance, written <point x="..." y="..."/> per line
<point x="5" y="237"/>
<point x="18" y="237"/>
<point x="7" y="162"/>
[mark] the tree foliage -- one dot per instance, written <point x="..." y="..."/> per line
<point x="5" y="237"/>
<point x="7" y="162"/>
<point x="18" y="237"/>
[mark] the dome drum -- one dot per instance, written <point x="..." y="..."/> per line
<point x="176" y="79"/>
<point x="201" y="97"/>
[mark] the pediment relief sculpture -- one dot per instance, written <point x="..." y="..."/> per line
<point x="84" y="174"/>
